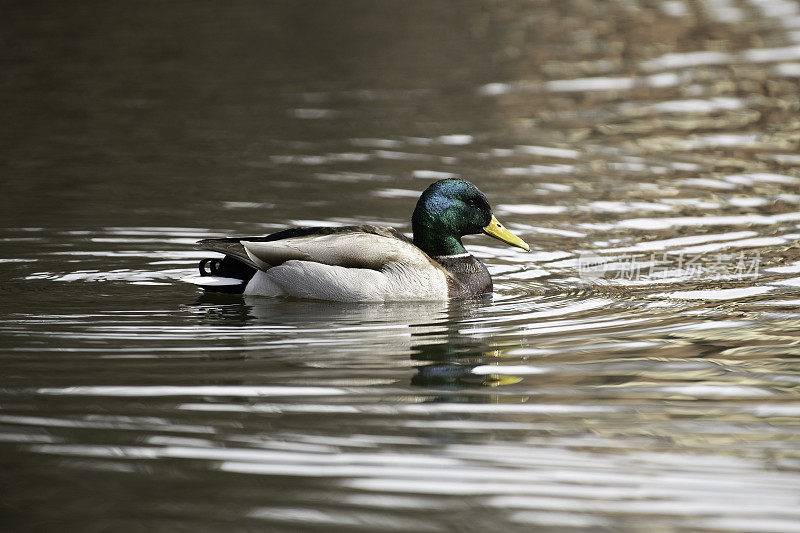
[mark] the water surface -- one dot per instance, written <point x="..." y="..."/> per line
<point x="636" y="372"/>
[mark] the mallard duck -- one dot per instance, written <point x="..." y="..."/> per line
<point x="366" y="263"/>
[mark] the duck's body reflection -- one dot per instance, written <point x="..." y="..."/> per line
<point x="427" y="333"/>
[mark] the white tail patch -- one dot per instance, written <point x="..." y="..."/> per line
<point x="212" y="281"/>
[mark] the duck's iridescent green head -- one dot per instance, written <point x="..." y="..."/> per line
<point x="450" y="209"/>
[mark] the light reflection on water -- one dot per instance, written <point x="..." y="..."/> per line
<point x="638" y="135"/>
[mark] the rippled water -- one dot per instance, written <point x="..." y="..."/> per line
<point x="636" y="372"/>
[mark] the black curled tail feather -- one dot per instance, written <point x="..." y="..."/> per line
<point x="209" y="266"/>
<point x="227" y="267"/>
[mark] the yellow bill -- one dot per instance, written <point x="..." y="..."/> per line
<point x="498" y="231"/>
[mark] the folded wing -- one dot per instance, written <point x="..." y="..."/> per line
<point x="347" y="249"/>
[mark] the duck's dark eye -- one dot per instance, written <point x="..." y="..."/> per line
<point x="471" y="202"/>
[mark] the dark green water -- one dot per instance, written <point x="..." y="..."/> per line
<point x="637" y="371"/>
